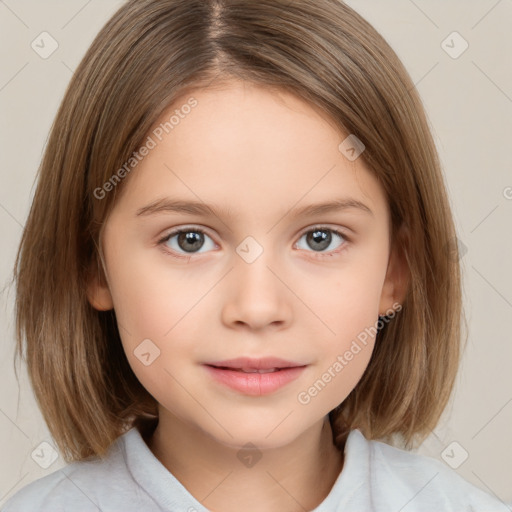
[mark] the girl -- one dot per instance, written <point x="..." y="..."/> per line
<point x="237" y="282"/>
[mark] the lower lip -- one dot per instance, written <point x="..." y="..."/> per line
<point x="255" y="383"/>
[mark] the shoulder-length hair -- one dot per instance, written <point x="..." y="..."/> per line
<point x="149" y="54"/>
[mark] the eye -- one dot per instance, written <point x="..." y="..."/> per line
<point x="184" y="242"/>
<point x="320" y="238"/>
<point x="188" y="240"/>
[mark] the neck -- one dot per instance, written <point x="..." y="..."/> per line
<point x="295" y="477"/>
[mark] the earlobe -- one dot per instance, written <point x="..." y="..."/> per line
<point x="100" y="299"/>
<point x="98" y="295"/>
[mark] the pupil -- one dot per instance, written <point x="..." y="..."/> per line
<point x="320" y="238"/>
<point x="190" y="241"/>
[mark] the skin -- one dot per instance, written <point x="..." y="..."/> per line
<point x="259" y="153"/>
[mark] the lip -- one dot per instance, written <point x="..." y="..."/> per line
<point x="262" y="363"/>
<point x="255" y="384"/>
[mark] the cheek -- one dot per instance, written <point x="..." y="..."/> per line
<point x="149" y="298"/>
<point x="347" y="303"/>
<point x="343" y="359"/>
<point x="344" y="300"/>
<point x="158" y="311"/>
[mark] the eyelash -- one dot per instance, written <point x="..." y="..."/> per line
<point x="334" y="252"/>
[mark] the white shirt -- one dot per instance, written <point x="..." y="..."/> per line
<point x="376" y="477"/>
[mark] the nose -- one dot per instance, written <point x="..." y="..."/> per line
<point x="256" y="295"/>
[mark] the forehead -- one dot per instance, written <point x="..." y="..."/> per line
<point x="250" y="147"/>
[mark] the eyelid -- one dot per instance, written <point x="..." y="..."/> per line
<point x="161" y="241"/>
<point x="339" y="230"/>
<point x="184" y="229"/>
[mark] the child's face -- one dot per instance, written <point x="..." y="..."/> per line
<point x="257" y="156"/>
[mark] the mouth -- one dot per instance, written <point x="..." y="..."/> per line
<point x="251" y="364"/>
<point x="247" y="370"/>
<point x="255" y="376"/>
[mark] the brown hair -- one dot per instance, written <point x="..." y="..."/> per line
<point x="147" y="55"/>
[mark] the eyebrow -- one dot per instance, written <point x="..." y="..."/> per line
<point x="168" y="205"/>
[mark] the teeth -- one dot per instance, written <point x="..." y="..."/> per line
<point x="251" y="370"/>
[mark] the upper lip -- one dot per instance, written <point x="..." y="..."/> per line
<point x="247" y="363"/>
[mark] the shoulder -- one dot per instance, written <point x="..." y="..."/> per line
<point x="414" y="482"/>
<point x="79" y="486"/>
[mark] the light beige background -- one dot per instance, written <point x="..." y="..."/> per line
<point x="469" y="104"/>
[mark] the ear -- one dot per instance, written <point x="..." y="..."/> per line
<point x="98" y="292"/>
<point x="397" y="278"/>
